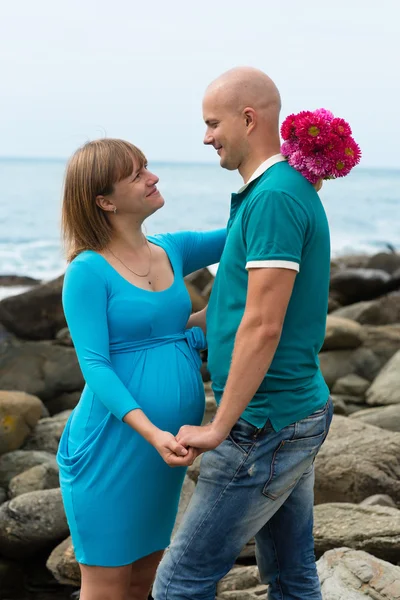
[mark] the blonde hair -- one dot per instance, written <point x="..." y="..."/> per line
<point x="92" y="171"/>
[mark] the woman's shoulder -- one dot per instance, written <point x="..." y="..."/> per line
<point x="87" y="263"/>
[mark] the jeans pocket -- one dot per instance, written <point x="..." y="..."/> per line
<point x="243" y="436"/>
<point x="290" y="461"/>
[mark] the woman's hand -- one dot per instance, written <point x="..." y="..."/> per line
<point x="171" y="451"/>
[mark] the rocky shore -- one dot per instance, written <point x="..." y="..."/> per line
<point x="357" y="513"/>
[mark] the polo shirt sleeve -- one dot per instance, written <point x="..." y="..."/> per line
<point x="275" y="227"/>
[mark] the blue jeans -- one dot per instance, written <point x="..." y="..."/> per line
<point x="257" y="483"/>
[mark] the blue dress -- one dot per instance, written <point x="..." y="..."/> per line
<point x="120" y="497"/>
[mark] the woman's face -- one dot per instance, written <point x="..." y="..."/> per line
<point x="137" y="195"/>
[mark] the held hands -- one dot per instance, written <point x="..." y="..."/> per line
<point x="173" y="452"/>
<point x="202" y="438"/>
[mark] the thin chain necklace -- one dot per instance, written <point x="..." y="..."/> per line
<point x="131" y="270"/>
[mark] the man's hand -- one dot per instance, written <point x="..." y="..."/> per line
<point x="203" y="438"/>
<point x="173" y="452"/>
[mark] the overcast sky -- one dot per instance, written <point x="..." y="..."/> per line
<point x="80" y="69"/>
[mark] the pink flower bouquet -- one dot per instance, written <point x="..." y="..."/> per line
<point x="319" y="145"/>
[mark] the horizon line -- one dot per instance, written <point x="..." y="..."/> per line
<point x="60" y="159"/>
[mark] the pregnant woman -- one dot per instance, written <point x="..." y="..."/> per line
<point x="128" y="312"/>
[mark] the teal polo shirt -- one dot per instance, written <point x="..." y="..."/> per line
<point x="276" y="221"/>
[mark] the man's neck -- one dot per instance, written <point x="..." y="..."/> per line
<point x="249" y="167"/>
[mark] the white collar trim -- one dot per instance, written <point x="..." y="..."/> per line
<point x="272" y="160"/>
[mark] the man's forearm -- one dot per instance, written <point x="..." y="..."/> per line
<point x="254" y="349"/>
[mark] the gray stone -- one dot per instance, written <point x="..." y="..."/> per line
<point x="186" y="495"/>
<point x="342" y="334"/>
<point x="242" y="583"/>
<point x="339" y="406"/>
<point x="14" y="463"/>
<point x="347" y="574"/>
<point x="43" y="369"/>
<point x="386" y="417"/>
<point x="383" y="311"/>
<point x="385" y="261"/>
<point x="41" y="477"/>
<point x="353" y="311"/>
<point x="383" y="340"/>
<point x="3" y="495"/>
<point x="19" y="413"/>
<point x="351" y="385"/>
<point x="374" y="529"/>
<point x="62" y="564"/>
<point x="385" y="389"/>
<point x="354" y="285"/>
<point x="378" y="500"/>
<point x="47" y="433"/>
<point x="31" y="522"/>
<point x="336" y="364"/>
<point x="194" y="469"/>
<point x="357" y="461"/>
<point x="66" y="401"/>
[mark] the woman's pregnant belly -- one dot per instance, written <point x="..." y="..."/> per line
<point x="163" y="380"/>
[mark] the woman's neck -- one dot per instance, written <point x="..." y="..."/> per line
<point x="127" y="235"/>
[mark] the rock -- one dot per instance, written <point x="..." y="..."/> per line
<point x="353" y="285"/>
<point x="31" y="522"/>
<point x="385" y="417"/>
<point x="342" y="334"/>
<point x="351" y="385"/>
<point x="12" y="579"/>
<point x="41" y="477"/>
<point x="354" y="575"/>
<point x="378" y="500"/>
<point x="63" y="337"/>
<point x="348" y="400"/>
<point x="17" y="280"/>
<point x="242" y="583"/>
<point x="339" y="406"/>
<point x="36" y="314"/>
<point x="43" y="369"/>
<point x="201" y="279"/>
<point x="46" y="435"/>
<point x="3" y="495"/>
<point x="384" y="261"/>
<point x="19" y="413"/>
<point x="336" y="364"/>
<point x="383" y="340"/>
<point x="66" y="401"/>
<point x="14" y="463"/>
<point x="385" y="389"/>
<point x="333" y="304"/>
<point x="374" y="529"/>
<point x="198" y="302"/>
<point x="384" y="311"/>
<point x="352" y="311"/>
<point x="186" y="495"/>
<point x="350" y="261"/>
<point x="357" y="461"/>
<point x="62" y="564"/>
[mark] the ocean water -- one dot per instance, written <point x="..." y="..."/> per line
<point x="363" y="209"/>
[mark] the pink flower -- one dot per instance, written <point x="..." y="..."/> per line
<point x="288" y="127"/>
<point x="311" y="129"/>
<point x="325" y="114"/>
<point x="340" y="127"/>
<point x="297" y="160"/>
<point x="352" y="151"/>
<point x="289" y="147"/>
<point x="318" y="164"/>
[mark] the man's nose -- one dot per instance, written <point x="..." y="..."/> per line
<point x="208" y="138"/>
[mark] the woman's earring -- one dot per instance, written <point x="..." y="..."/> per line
<point x="115" y="210"/>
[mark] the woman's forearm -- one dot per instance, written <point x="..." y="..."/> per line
<point x="198" y="319"/>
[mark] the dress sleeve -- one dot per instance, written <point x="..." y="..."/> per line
<point x="85" y="308"/>
<point x="199" y="249"/>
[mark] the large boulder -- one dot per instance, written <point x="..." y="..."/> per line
<point x="14" y="463"/>
<point x="375" y="529"/>
<point x="242" y="583"/>
<point x="347" y="574"/>
<point x="17" y="281"/>
<point x="384" y="261"/>
<point x="342" y="334"/>
<point x="383" y="340"/>
<point x="66" y="401"/>
<point x="43" y="369"/>
<point x="19" y="413"/>
<point x="36" y="314"/>
<point x="383" y="311"/>
<point x="62" y="564"/>
<point x="40" y="477"/>
<point x="352" y="285"/>
<point x="32" y="522"/>
<point x="47" y="433"/>
<point x="336" y="364"/>
<point x="386" y="417"/>
<point x="351" y="385"/>
<point x="186" y="495"/>
<point x="386" y="389"/>
<point x="357" y="461"/>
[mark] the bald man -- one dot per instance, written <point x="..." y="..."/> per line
<point x="265" y="326"/>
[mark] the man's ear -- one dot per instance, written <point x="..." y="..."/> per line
<point x="250" y="117"/>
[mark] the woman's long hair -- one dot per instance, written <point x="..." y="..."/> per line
<point x="92" y="171"/>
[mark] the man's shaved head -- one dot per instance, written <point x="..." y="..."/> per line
<point x="246" y="87"/>
<point x="241" y="110"/>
